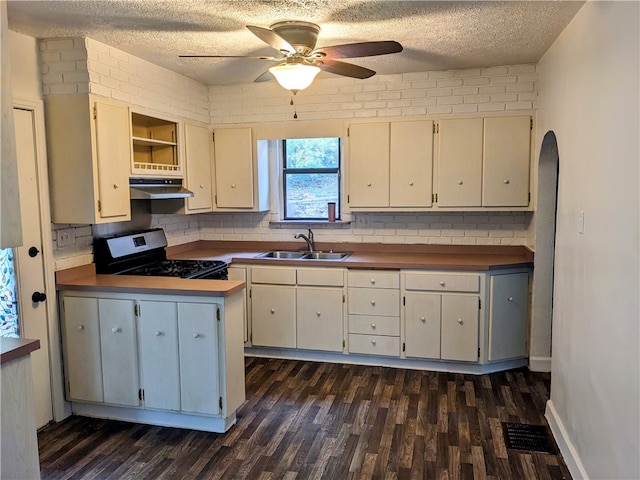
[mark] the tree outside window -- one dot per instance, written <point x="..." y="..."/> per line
<point x="311" y="177"/>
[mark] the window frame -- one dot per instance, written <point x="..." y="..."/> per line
<point x="306" y="171"/>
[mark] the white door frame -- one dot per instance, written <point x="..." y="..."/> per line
<point x="61" y="408"/>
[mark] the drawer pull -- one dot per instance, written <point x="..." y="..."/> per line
<point x="318" y="313"/>
<point x="80" y="327"/>
<point x="368" y="184"/>
<point x="273" y="310"/>
<point x="196" y="335"/>
<point x="423" y="320"/>
<point x="115" y="185"/>
<point x="158" y="334"/>
<point x="373" y="325"/>
<point x="506" y="181"/>
<point x="459" y="182"/>
<point x="116" y="330"/>
<point x="460" y="321"/>
<point x="373" y="281"/>
<point x="411" y="184"/>
<point x="373" y="342"/>
<point x="233" y="185"/>
<point x="373" y="302"/>
<point x="510" y="299"/>
<point x="442" y="283"/>
<point x="201" y="185"/>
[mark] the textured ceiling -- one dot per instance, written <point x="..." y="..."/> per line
<point x="436" y="35"/>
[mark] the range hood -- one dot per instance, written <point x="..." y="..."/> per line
<point x="157" y="188"/>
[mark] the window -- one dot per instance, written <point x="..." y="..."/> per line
<point x="311" y="177"/>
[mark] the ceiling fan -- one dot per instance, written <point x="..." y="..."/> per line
<point x="300" y="61"/>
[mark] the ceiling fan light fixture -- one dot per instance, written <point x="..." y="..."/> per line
<point x="294" y="76"/>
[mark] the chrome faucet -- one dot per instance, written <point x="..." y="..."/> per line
<point x="308" y="239"/>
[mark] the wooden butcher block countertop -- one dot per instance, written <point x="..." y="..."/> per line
<point x="365" y="256"/>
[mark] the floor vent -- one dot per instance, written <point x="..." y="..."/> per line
<point x="532" y="438"/>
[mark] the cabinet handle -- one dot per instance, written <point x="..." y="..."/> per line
<point x="373" y="326"/>
<point x="411" y="184"/>
<point x="201" y="185"/>
<point x="233" y="185"/>
<point x="459" y="182"/>
<point x="506" y="181"/>
<point x="373" y="281"/>
<point x="423" y="320"/>
<point x="80" y="327"/>
<point x="460" y="321"/>
<point x="115" y="185"/>
<point x="158" y="334"/>
<point x="273" y="310"/>
<point x="442" y="283"/>
<point x="318" y="313"/>
<point x="373" y="302"/>
<point x="510" y="299"/>
<point x="116" y="330"/>
<point x="196" y="335"/>
<point x="373" y="342"/>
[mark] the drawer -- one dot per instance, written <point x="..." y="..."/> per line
<point x="443" y="282"/>
<point x="374" y="345"/>
<point x="276" y="276"/>
<point x="374" y="278"/>
<point x="374" y="301"/>
<point x="323" y="277"/>
<point x="373" y="325"/>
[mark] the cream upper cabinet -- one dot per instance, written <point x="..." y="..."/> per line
<point x="505" y="177"/>
<point x="390" y="164"/>
<point x="89" y="151"/>
<point x="460" y="163"/>
<point x="369" y="164"/>
<point x="239" y="175"/>
<point x="198" y="159"/>
<point x="411" y="164"/>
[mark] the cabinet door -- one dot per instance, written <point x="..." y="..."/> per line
<point x="411" y="164"/>
<point x="82" y="362"/>
<point x="507" y="147"/>
<point x="508" y="313"/>
<point x="199" y="365"/>
<point x="113" y="149"/>
<point x="198" y="162"/>
<point x="158" y="346"/>
<point x="460" y="163"/>
<point x="273" y="310"/>
<point x="119" y="353"/>
<point x="422" y="325"/>
<point x="459" y="337"/>
<point x="234" y="168"/>
<point x="319" y="318"/>
<point x="369" y="165"/>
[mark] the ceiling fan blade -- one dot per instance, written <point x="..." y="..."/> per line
<point x="343" y="68"/>
<point x="363" y="49"/>
<point x="265" y="77"/>
<point x="261" y="57"/>
<point x="271" y="38"/>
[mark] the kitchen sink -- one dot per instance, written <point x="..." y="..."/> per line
<point x="282" y="254"/>
<point x="303" y="255"/>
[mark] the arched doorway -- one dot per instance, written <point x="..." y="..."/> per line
<point x="545" y="234"/>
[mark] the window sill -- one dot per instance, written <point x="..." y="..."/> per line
<point x="309" y="222"/>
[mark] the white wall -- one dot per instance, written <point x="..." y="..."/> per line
<point x="589" y="96"/>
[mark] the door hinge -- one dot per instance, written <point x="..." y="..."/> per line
<point x="249" y="293"/>
<point x="215" y="199"/>
<point x="136" y="309"/>
<point x="348" y="131"/>
<point x="343" y="298"/>
<point x="99" y="206"/>
<point x="436" y="128"/>
<point x="479" y="304"/>
<point x="404" y="300"/>
<point x="404" y="347"/>
<point x="434" y="198"/>
<point x="220" y="403"/>
<point x="531" y="124"/>
<point x="95" y="112"/>
<point x="218" y="314"/>
<point x="141" y="394"/>
<point x="344" y="343"/>
<point x="478" y="352"/>
<point x="213" y="136"/>
<point x="348" y="199"/>
<point x="529" y="197"/>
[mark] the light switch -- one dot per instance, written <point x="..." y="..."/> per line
<point x="581" y="222"/>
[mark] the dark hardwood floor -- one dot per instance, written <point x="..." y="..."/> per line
<point x="307" y="420"/>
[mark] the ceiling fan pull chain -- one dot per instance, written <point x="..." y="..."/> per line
<point x="295" y="114"/>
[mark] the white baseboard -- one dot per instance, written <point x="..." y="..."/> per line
<point x="540" y="364"/>
<point x="568" y="451"/>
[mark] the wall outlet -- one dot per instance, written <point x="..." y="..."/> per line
<point x="362" y="221"/>
<point x="66" y="237"/>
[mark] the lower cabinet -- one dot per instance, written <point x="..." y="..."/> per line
<point x="170" y="355"/>
<point x="298" y="308"/>
<point x="509" y="307"/>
